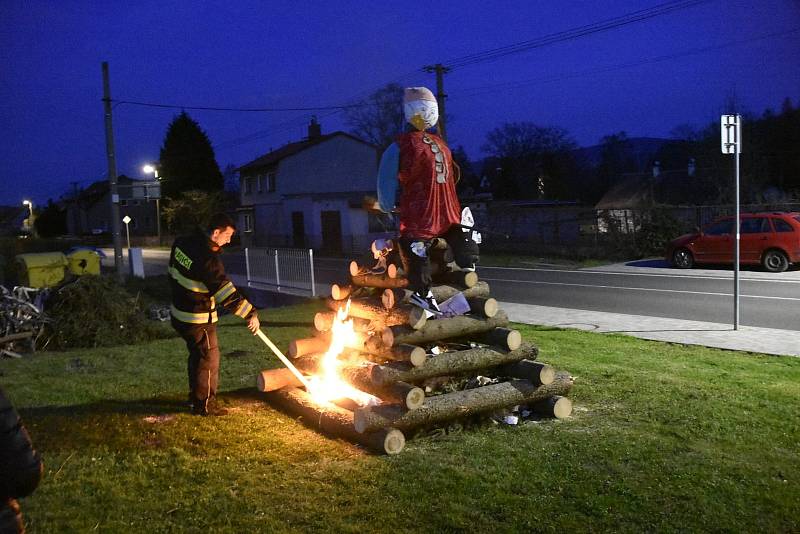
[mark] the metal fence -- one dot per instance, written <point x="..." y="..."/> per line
<point x="286" y="269"/>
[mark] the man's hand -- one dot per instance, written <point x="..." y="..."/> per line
<point x="253" y="324"/>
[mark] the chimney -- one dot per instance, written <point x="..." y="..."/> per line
<point x="314" y="129"/>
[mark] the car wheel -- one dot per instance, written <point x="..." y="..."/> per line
<point x="775" y="261"/>
<point x="682" y="258"/>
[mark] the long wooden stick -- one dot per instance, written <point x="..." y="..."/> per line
<point x="284" y="359"/>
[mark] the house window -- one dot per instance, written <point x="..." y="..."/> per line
<point x="248" y="222"/>
<point x="248" y="185"/>
<point x="271" y="179"/>
<point x="260" y="179"/>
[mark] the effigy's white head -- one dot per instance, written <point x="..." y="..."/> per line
<point x="420" y="107"/>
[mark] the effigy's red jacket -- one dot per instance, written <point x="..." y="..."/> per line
<point x="428" y="203"/>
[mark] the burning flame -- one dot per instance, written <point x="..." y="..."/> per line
<point x="327" y="385"/>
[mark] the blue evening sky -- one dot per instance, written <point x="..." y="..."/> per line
<point x="645" y="77"/>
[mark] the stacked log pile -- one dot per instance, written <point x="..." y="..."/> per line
<point x="416" y="366"/>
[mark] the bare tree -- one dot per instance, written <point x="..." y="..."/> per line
<point x="535" y="161"/>
<point x="379" y="117"/>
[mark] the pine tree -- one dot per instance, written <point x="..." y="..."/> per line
<point x="187" y="159"/>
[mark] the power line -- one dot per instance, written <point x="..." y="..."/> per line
<point x="479" y="90"/>
<point x="219" y="108"/>
<point x="571" y="34"/>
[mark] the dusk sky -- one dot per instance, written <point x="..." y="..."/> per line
<point x="644" y="77"/>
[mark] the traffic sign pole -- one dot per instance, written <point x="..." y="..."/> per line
<point x="731" y="142"/>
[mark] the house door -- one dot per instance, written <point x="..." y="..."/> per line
<point x="331" y="231"/>
<point x="298" y="230"/>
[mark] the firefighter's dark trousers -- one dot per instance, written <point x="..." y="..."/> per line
<point x="416" y="263"/>
<point x="203" y="362"/>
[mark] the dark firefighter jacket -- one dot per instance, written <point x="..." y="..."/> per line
<point x="199" y="282"/>
<point x="20" y="464"/>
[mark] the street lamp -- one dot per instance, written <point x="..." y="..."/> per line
<point x="150" y="169"/>
<point x="127" y="220"/>
<point x="30" y="217"/>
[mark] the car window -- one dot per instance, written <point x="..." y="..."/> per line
<point x="719" y="227"/>
<point x="754" y="225"/>
<point x="782" y="226"/>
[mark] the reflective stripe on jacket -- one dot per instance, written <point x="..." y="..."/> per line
<point x="198" y="282"/>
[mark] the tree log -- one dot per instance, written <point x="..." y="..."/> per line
<point x="412" y="354"/>
<point x="309" y="345"/>
<point x="538" y="373"/>
<point x="373" y="310"/>
<point x="379" y="280"/>
<point x="556" y="406"/>
<point x="459" y="404"/>
<point x="335" y="421"/>
<point x="502" y="337"/>
<point x="460" y="278"/>
<point x="391" y="269"/>
<point x="341" y="292"/>
<point x="272" y="379"/>
<point x="449" y="363"/>
<point x="360" y="377"/>
<point x="392" y="297"/>
<point x="483" y="306"/>
<point x="323" y="321"/>
<point x="441" y="329"/>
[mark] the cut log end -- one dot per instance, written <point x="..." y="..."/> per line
<point x="556" y="406"/>
<point x="354" y="268"/>
<point x="272" y="379"/>
<point x="391" y="270"/>
<point x="415" y="398"/>
<point x="340" y="292"/>
<point x="418" y="357"/>
<point x="470" y="278"/>
<point x="490" y="307"/>
<point x="393" y="441"/>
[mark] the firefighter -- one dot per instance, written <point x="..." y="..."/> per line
<point x="199" y="285"/>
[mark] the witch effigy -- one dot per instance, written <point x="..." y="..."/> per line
<point x="420" y="162"/>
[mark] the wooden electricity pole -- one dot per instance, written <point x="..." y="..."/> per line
<point x="112" y="174"/>
<point x="440" y="71"/>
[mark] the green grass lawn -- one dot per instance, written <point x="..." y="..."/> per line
<point x="663" y="438"/>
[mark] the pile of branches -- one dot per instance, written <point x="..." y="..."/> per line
<point x="22" y="322"/>
<point x="96" y="311"/>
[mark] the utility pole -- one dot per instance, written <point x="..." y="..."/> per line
<point x="440" y="71"/>
<point x="112" y="174"/>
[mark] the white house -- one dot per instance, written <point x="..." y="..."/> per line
<point x="309" y="194"/>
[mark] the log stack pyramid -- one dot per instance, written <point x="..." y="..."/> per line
<point x="424" y="371"/>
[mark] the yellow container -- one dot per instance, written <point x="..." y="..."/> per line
<point x="83" y="261"/>
<point x="43" y="269"/>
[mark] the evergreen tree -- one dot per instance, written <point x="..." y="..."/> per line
<point x="52" y="221"/>
<point x="187" y="159"/>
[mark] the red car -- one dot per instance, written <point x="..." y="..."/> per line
<point x="769" y="239"/>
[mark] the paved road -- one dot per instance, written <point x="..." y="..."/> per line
<point x="643" y="288"/>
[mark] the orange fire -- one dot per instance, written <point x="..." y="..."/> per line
<point x="327" y="385"/>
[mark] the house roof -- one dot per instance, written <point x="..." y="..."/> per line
<point x="97" y="190"/>
<point x="273" y="157"/>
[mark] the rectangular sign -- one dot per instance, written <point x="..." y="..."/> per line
<point x="730" y="127"/>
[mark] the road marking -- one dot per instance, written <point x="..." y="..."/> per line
<point x="655" y="275"/>
<point x="637" y="289"/>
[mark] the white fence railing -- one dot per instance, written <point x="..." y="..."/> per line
<point x="283" y="268"/>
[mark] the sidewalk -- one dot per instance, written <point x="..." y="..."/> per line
<point x="723" y="336"/>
